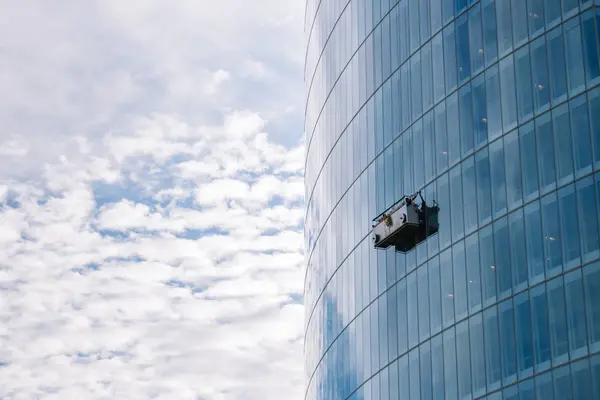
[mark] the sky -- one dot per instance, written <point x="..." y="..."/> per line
<point x="151" y="199"/>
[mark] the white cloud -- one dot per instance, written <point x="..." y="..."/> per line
<point x="149" y="221"/>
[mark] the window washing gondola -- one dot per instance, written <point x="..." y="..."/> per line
<point x="406" y="224"/>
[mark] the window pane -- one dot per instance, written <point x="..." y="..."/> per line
<point x="569" y="227"/>
<point x="484" y="202"/>
<point x="519" y="21"/>
<point x="444" y="213"/>
<point x="539" y="69"/>
<point x="469" y="194"/>
<point x="450" y="58"/>
<point x="441" y="139"/>
<point x="574" y="54"/>
<point x="562" y="383"/>
<point x="457" y="203"/>
<point x="466" y="119"/>
<point x="590" y="48"/>
<point x="448" y="10"/>
<point x="463" y="359"/>
<point x="507" y="81"/>
<point x="417" y="86"/>
<point x="488" y="267"/>
<point x="490" y="42"/>
<point x="477" y="355"/>
<point x="564" y="147"/>
<point x="517" y="250"/>
<point x="591" y="276"/>
<point x="436" y="15"/>
<point x="413" y="371"/>
<point x="473" y="276"/>
<point x="596" y="374"/>
<point x="492" y="354"/>
<point x="434" y="295"/>
<point x="429" y="149"/>
<point x="523" y="334"/>
<point x="507" y="339"/>
<point x="498" y="178"/>
<point x="551" y="234"/>
<point x="450" y="376"/>
<point x="536" y="16"/>
<point x="476" y="39"/>
<point x="413" y="321"/>
<point x="480" y="120"/>
<point x="557" y="66"/>
<point x="580" y="126"/>
<point x="552" y="8"/>
<point x="423" y="306"/>
<point x="453" y="127"/>
<point x="576" y="315"/>
<point x="494" y="115"/>
<point x="438" y="67"/>
<point x="425" y="358"/>
<point x="424" y="20"/>
<point x="447" y="288"/>
<point x="512" y="156"/>
<point x="504" y="24"/>
<point x="535" y="251"/>
<point x="541" y="336"/>
<point x="588" y="219"/>
<point x="413" y="12"/>
<point x="437" y="367"/>
<point x="526" y="390"/>
<point x="582" y="384"/>
<point x="427" y="76"/>
<point x="404" y="378"/>
<point x="460" y="280"/>
<point x="402" y="317"/>
<point x="546" y="158"/>
<point x="462" y="48"/>
<point x="503" y="267"/>
<point x="558" y="321"/>
<point x="543" y="386"/>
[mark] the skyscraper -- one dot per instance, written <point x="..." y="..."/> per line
<point x="492" y="109"/>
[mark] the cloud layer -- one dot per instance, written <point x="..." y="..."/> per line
<point x="150" y="228"/>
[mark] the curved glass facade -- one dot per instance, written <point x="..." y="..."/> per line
<point x="491" y="108"/>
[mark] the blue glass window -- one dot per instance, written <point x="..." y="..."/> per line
<point x="450" y="376"/>
<point x="588" y="218"/>
<point x="418" y="155"/>
<point x="517" y="250"/>
<point x="426" y="379"/>
<point x="488" y="267"/>
<point x="404" y="378"/>
<point x="423" y="303"/>
<point x="545" y="150"/>
<point x="435" y="295"/>
<point x="580" y="126"/>
<point x="484" y="201"/>
<point x="569" y="7"/>
<point x="462" y="48"/>
<point x="473" y="276"/>
<point x="456" y="203"/>
<point x="436" y="15"/>
<point x="576" y="314"/>
<point x="494" y="114"/>
<point x="562" y="383"/>
<point x="551" y="234"/>
<point x="427" y="77"/>
<point x="463" y="359"/>
<point x="413" y="314"/>
<point x="502" y="256"/>
<point x="543" y="386"/>
<point x="511" y="393"/>
<point x="407" y="147"/>
<point x="466" y="119"/>
<point x="594" y="102"/>
<point x="535" y="17"/>
<point x="552" y="8"/>
<point x="477" y="355"/>
<point x="558" y="321"/>
<point x="441" y="139"/>
<point x="533" y="236"/>
<point x="447" y="10"/>
<point x="524" y="84"/>
<point x="507" y="342"/>
<point x="417" y="86"/>
<point x="469" y="194"/>
<point x="582" y="384"/>
<point x="595" y="361"/>
<point x="512" y="155"/>
<point x="492" y="353"/>
<point x="447" y="288"/>
<point x="523" y="335"/>
<point x="403" y="34"/>
<point x="569" y="227"/>
<point x="557" y="66"/>
<point x="539" y="70"/>
<point x="490" y="41"/>
<point x="541" y="336"/>
<point x="590" y="48"/>
<point x="460" y="283"/>
<point x="504" y="23"/>
<point x="437" y="367"/>
<point x="413" y="10"/>
<point x="476" y="39"/>
<point x="564" y="147"/>
<point x="402" y="317"/>
<point x="453" y="126"/>
<point x="406" y="99"/>
<point x="498" y="178"/>
<point x="507" y="82"/>
<point x="450" y="58"/>
<point x="519" y="21"/>
<point x="574" y="56"/>
<point x="480" y="120"/>
<point x="413" y="371"/>
<point x="428" y="138"/>
<point x="591" y="276"/>
<point x="444" y="213"/>
<point x="424" y="20"/>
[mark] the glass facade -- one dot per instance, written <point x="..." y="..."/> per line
<point x="491" y="108"/>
